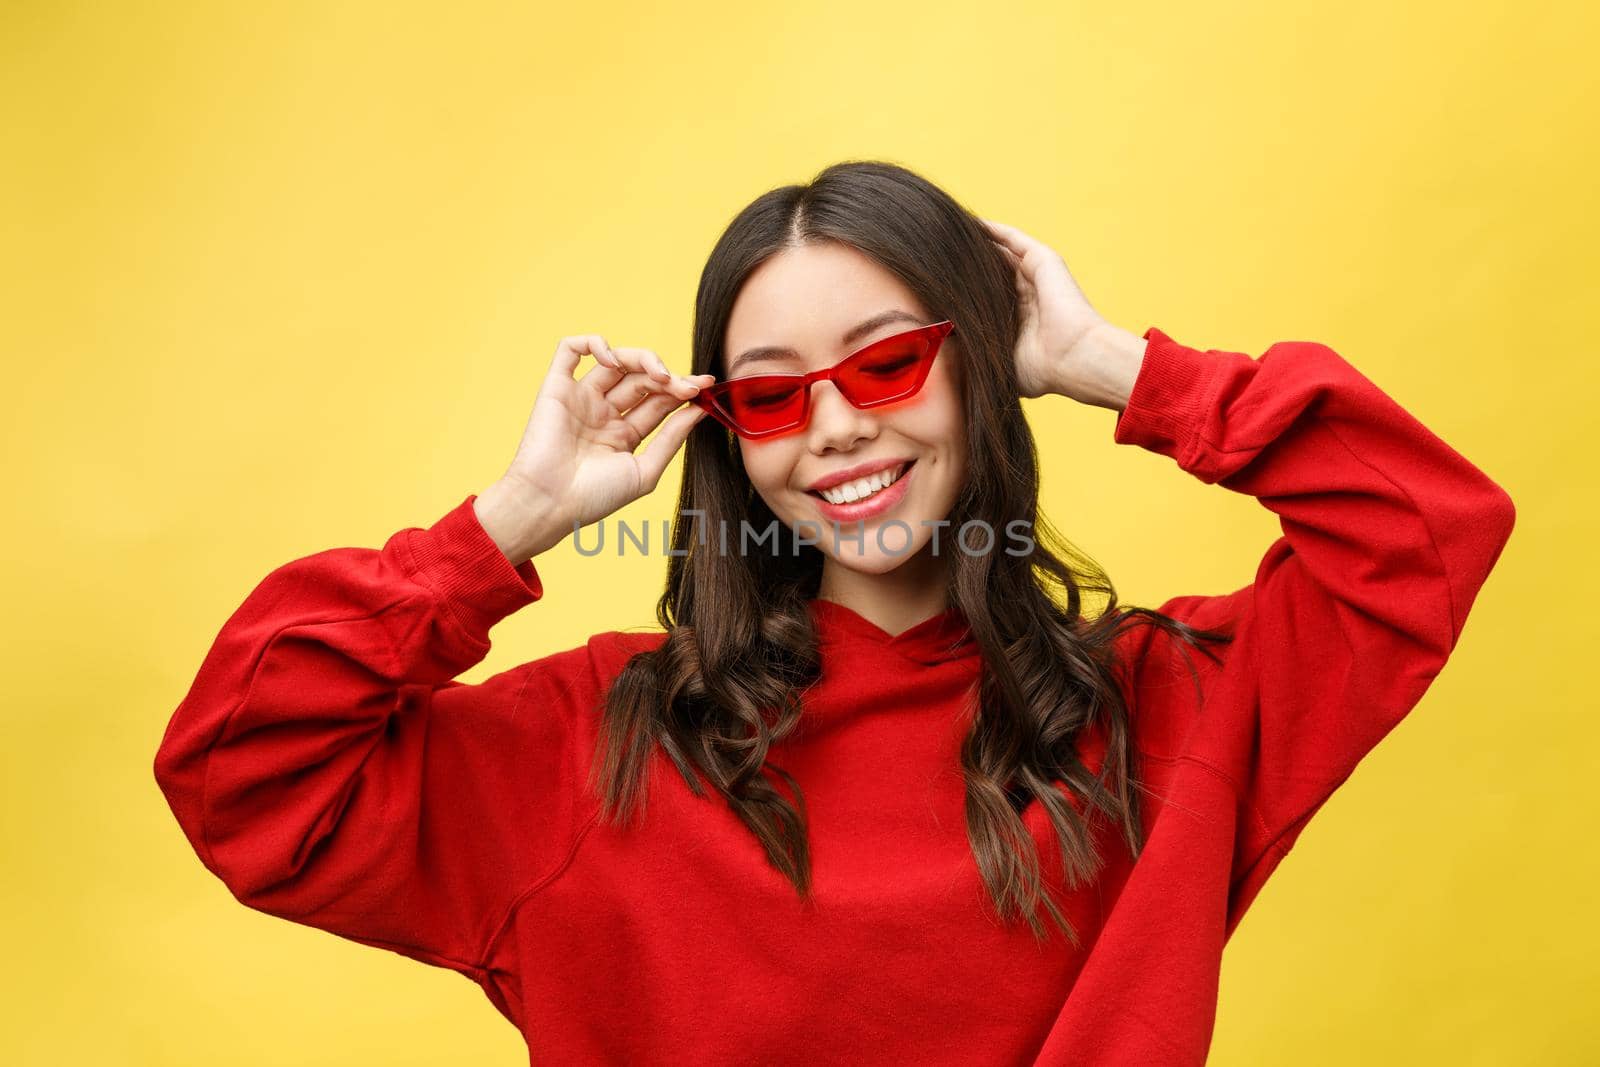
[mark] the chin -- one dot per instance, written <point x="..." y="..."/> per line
<point x="875" y="560"/>
<point x="871" y="563"/>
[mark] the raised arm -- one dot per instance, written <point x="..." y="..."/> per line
<point x="1388" y="534"/>
<point x="326" y="765"/>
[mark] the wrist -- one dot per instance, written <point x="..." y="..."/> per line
<point x="518" y="520"/>
<point x="1103" y="365"/>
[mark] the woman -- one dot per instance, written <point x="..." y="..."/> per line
<point x="876" y="794"/>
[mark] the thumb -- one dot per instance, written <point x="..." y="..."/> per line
<point x="668" y="439"/>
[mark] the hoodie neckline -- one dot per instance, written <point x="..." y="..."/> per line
<point x="936" y="639"/>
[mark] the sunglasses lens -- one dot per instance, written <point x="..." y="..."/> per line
<point x="892" y="369"/>
<point x="888" y="371"/>
<point x="764" y="406"/>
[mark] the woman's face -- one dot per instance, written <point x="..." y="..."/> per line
<point x="812" y="300"/>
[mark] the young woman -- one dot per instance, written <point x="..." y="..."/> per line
<point x="882" y="791"/>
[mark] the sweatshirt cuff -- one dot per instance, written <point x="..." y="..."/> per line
<point x="1169" y="397"/>
<point x="458" y="559"/>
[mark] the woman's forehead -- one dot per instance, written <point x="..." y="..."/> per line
<point x="808" y="306"/>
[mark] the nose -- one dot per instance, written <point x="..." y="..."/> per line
<point x="836" y="424"/>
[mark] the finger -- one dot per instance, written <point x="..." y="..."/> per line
<point x="645" y="360"/>
<point x="625" y="360"/>
<point x="658" y="453"/>
<point x="571" y="350"/>
<point x="1028" y="263"/>
<point x="1030" y="252"/>
<point x="628" y="360"/>
<point x="602" y="379"/>
<point x="1004" y="244"/>
<point x="647" y="414"/>
<point x="638" y="387"/>
<point x="1019" y="275"/>
<point x="660" y="365"/>
<point x="682" y="388"/>
<point x="659" y="371"/>
<point x="632" y="388"/>
<point x="1007" y="235"/>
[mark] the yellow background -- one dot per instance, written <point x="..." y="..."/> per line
<point x="282" y="277"/>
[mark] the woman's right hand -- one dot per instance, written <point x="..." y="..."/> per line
<point x="576" y="463"/>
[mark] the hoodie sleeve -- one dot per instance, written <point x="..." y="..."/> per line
<point x="328" y="770"/>
<point x="1388" y="534"/>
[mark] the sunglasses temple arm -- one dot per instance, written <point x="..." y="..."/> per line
<point x="700" y="400"/>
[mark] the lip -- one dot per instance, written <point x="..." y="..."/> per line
<point x="860" y="470"/>
<point x="876" y="504"/>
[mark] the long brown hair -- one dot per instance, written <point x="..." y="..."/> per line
<point x="740" y="648"/>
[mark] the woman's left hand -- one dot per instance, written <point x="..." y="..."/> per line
<point x="1055" y="313"/>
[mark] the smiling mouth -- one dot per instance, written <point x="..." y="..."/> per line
<point x="862" y="488"/>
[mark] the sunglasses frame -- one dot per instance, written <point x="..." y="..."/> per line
<point x="709" y="398"/>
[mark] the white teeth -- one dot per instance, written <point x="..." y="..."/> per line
<point x="850" y="492"/>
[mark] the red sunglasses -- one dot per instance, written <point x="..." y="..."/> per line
<point x="765" y="405"/>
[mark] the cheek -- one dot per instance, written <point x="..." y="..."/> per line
<point x="941" y="427"/>
<point x="768" y="466"/>
<point x="939" y="418"/>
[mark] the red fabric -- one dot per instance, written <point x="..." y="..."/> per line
<point x="327" y="768"/>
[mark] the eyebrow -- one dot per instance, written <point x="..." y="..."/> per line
<point x="852" y="335"/>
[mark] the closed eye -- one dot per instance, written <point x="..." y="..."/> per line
<point x="889" y="368"/>
<point x="768" y="400"/>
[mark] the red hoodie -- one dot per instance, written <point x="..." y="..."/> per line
<point x="326" y="767"/>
